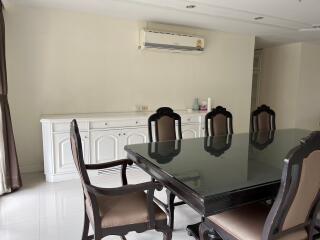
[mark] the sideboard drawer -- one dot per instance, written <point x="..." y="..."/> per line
<point x="190" y="119"/>
<point x="116" y="123"/>
<point x="65" y="126"/>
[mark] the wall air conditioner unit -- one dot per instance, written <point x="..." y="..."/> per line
<point x="173" y="42"/>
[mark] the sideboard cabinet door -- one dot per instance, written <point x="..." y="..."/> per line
<point x="190" y="131"/>
<point x="62" y="152"/>
<point x="133" y="136"/>
<point x="105" y="145"/>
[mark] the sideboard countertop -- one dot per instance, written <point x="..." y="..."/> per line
<point x="108" y="115"/>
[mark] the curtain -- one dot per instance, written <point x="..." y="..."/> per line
<point x="10" y="178"/>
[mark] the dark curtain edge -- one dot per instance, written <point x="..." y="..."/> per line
<point x="11" y="172"/>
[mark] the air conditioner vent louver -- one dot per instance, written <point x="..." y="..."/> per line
<point x="173" y="42"/>
<point x="313" y="28"/>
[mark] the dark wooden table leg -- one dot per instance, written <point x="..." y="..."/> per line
<point x="195" y="231"/>
<point x="214" y="236"/>
<point x="170" y="201"/>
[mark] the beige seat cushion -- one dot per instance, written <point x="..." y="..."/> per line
<point x="126" y="209"/>
<point x="246" y="223"/>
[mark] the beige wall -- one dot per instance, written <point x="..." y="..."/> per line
<point x="308" y="97"/>
<point x="290" y="83"/>
<point x="279" y="80"/>
<point x="68" y="62"/>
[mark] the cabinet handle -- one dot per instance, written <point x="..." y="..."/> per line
<point x="124" y="134"/>
<point x="105" y="124"/>
<point x="119" y="134"/>
<point x="137" y="122"/>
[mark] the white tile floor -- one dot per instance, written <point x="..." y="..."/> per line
<point x="54" y="211"/>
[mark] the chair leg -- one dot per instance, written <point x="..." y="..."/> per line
<point x="170" y="202"/>
<point x="97" y="234"/>
<point x="167" y="235"/>
<point x="203" y="232"/>
<point x="85" y="230"/>
<point x="207" y="233"/>
<point x="97" y="237"/>
<point x="166" y="231"/>
<point x="123" y="238"/>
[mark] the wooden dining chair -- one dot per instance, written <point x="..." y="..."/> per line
<point x="116" y="211"/>
<point x="165" y="125"/>
<point x="219" y="120"/>
<point x="293" y="214"/>
<point x="263" y="119"/>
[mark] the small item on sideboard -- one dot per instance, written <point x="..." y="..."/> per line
<point x="142" y="108"/>
<point x="209" y="105"/>
<point x="195" y="106"/>
<point x="145" y="108"/>
<point x="138" y="108"/>
<point x="203" y="106"/>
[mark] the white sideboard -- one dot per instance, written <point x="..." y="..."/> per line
<point x="103" y="135"/>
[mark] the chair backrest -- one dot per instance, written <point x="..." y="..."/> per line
<point x="77" y="153"/>
<point x="263" y="119"/>
<point x="220" y="122"/>
<point x="166" y="121"/>
<point x="76" y="148"/>
<point x="297" y="202"/>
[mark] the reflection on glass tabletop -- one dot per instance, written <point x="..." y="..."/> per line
<point x="214" y="165"/>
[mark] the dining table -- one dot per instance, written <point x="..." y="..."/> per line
<point x="215" y="174"/>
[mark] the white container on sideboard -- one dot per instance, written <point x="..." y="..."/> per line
<point x="103" y="135"/>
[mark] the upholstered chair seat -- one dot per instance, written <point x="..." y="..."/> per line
<point x="247" y="222"/>
<point x="126" y="209"/>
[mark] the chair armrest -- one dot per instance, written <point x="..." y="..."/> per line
<point x="108" y="164"/>
<point x="124" y="189"/>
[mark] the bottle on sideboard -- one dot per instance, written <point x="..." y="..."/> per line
<point x="209" y="105"/>
<point x="195" y="106"/>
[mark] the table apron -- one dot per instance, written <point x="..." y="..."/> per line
<point x="235" y="199"/>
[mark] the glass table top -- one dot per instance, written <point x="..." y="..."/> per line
<point x="216" y="165"/>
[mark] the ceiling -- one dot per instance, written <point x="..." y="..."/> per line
<point x="282" y="20"/>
